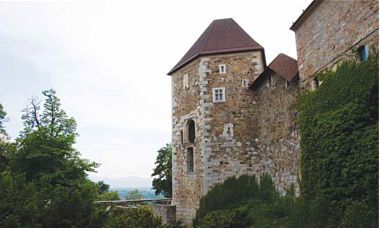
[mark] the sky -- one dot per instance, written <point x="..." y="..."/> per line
<point x="108" y="62"/>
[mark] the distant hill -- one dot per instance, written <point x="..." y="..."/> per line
<point x="146" y="193"/>
<point x="130" y="182"/>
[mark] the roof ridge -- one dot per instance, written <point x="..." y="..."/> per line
<point x="208" y="33"/>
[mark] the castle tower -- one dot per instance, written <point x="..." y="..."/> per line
<point x="212" y="135"/>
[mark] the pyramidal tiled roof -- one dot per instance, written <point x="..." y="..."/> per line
<point x="221" y="36"/>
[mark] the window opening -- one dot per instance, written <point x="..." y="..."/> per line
<point x="190" y="160"/>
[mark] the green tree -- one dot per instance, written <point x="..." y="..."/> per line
<point x="2" y="116"/>
<point x="44" y="183"/>
<point x="133" y="195"/>
<point x="162" y="173"/>
<point x="140" y="216"/>
<point x="45" y="146"/>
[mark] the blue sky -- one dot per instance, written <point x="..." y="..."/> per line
<point x="108" y="61"/>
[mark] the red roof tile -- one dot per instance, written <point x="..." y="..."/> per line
<point x="283" y="65"/>
<point x="221" y="36"/>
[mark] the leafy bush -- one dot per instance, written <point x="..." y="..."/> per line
<point x="141" y="216"/>
<point x="241" y="202"/>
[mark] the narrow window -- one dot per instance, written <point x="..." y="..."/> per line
<point x="222" y="69"/>
<point x="362" y="52"/>
<point x="190" y="160"/>
<point x="244" y="83"/>
<point x="191" y="130"/>
<point x="218" y="95"/>
<point x="256" y="64"/>
<point x="181" y="137"/>
<point x="286" y="84"/>
<point x="185" y="81"/>
<point x="228" y="131"/>
<point x="272" y="82"/>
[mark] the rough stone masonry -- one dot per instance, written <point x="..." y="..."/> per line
<point x="220" y="127"/>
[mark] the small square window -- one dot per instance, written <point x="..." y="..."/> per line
<point x="222" y="69"/>
<point x="218" y="95"/>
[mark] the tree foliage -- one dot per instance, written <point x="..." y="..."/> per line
<point x="141" y="216"/>
<point x="43" y="181"/>
<point x="242" y="202"/>
<point x="2" y="116"/>
<point x="133" y="195"/>
<point x="162" y="173"/>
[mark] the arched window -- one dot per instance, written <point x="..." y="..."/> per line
<point x="190" y="160"/>
<point x="191" y="130"/>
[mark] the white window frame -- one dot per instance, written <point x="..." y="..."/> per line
<point x="185" y="81"/>
<point x="222" y="69"/>
<point x="245" y="83"/>
<point x="216" y="94"/>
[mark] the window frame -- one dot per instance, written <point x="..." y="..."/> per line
<point x="222" y="66"/>
<point x="214" y="93"/>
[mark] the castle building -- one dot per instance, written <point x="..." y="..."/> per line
<point x="328" y="32"/>
<point x="231" y="115"/>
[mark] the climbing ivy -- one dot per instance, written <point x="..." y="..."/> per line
<point x="339" y="138"/>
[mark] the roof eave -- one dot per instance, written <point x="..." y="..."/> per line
<point x="233" y="50"/>
<point x="305" y="14"/>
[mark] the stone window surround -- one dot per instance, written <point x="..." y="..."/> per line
<point x="245" y="83"/>
<point x="185" y="81"/>
<point x="190" y="160"/>
<point x="185" y="133"/>
<point x="222" y="69"/>
<point x="218" y="94"/>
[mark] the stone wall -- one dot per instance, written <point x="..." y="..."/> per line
<point x="233" y="137"/>
<point x="332" y="32"/>
<point x="277" y="146"/>
<point x="230" y="154"/>
<point x="187" y="187"/>
<point x="166" y="212"/>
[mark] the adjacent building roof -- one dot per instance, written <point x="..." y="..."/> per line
<point x="305" y="14"/>
<point x="283" y="65"/>
<point x="221" y="36"/>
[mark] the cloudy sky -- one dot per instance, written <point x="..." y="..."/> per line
<point x="108" y="61"/>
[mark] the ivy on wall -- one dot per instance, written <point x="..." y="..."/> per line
<point x="339" y="137"/>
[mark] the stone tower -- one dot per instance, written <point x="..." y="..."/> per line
<point x="212" y="111"/>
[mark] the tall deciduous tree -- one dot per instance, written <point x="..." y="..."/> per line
<point x="162" y="183"/>
<point x="45" y="181"/>
<point x="46" y="144"/>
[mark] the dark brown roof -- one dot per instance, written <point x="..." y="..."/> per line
<point x="283" y="65"/>
<point x="305" y="14"/>
<point x="221" y="36"/>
